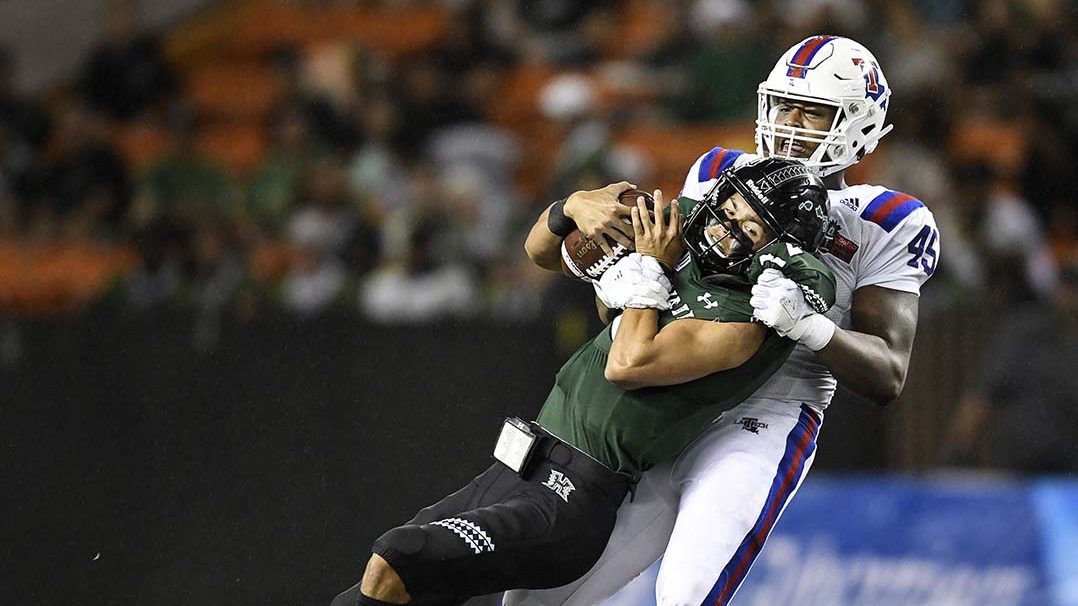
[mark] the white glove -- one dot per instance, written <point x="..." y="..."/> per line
<point x="636" y="281"/>
<point x="779" y="303"/>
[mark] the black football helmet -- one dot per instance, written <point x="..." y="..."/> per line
<point x="791" y="201"/>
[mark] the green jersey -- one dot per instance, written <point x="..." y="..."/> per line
<point x="630" y="431"/>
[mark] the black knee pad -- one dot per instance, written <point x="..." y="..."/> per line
<point x="401" y="542"/>
<point x="347" y="598"/>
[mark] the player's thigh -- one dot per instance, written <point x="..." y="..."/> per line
<point x="644" y="523"/>
<point x="735" y="479"/>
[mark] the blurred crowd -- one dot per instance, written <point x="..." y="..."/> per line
<point x="398" y="182"/>
<point x="388" y="183"/>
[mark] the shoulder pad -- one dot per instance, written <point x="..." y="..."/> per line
<point x="716" y="161"/>
<point x="889" y="208"/>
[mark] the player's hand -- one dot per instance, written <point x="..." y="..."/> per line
<point x="655" y="236"/>
<point x="778" y="302"/>
<point x="597" y="212"/>
<point x="635" y="281"/>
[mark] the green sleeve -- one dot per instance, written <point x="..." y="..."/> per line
<point x="815" y="279"/>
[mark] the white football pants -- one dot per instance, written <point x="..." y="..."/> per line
<point x="707" y="514"/>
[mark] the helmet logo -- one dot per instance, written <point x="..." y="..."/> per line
<point x="807" y="206"/>
<point x="871" y="71"/>
<point x="801" y="60"/>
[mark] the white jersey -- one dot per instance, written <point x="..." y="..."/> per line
<point x="709" y="513"/>
<point x="885" y="238"/>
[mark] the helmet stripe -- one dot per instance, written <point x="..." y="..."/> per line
<point x="889" y="208"/>
<point x="803" y="57"/>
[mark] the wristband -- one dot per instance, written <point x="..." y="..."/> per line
<point x="816" y="331"/>
<point x="557" y="222"/>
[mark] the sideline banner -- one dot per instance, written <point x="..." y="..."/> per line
<point x="901" y="541"/>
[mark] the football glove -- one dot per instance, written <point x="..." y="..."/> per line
<point x="636" y="281"/>
<point x="779" y="303"/>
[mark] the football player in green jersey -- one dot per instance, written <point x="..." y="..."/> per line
<point x="682" y="349"/>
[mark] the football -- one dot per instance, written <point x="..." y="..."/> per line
<point x="581" y="256"/>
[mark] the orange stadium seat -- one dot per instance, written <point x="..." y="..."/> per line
<point x="636" y="29"/>
<point x="239" y="147"/>
<point x="234" y="91"/>
<point x="139" y="143"/>
<point x="52" y="278"/>
<point x="392" y="31"/>
<point x="672" y="149"/>
<point x="519" y="99"/>
<point x="1001" y="144"/>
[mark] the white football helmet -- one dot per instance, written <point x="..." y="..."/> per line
<point x="833" y="71"/>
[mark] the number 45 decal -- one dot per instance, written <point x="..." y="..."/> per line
<point x="923" y="249"/>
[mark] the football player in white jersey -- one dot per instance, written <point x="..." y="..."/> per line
<point x="709" y="513"/>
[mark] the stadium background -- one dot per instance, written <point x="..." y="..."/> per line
<point x="262" y="289"/>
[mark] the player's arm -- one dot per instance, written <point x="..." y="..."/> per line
<point x="872" y="360"/>
<point x="594" y="212"/>
<point x="643" y="356"/>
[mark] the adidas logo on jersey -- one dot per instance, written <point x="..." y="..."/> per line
<point x="560" y="484"/>
<point x="850" y="203"/>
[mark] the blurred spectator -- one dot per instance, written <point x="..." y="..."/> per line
<point x="278" y="180"/>
<point x="914" y="55"/>
<point x="587" y="156"/>
<point x="422" y="286"/>
<point x="317" y="278"/>
<point x="327" y="211"/>
<point x="651" y="82"/>
<point x="479" y="143"/>
<point x="163" y="257"/>
<point x="1012" y="240"/>
<point x="24" y="130"/>
<point x="474" y="42"/>
<point x="562" y="32"/>
<point x="17" y="166"/>
<point x="21" y="115"/>
<point x="427" y="100"/>
<point x="184" y="187"/>
<point x="218" y="274"/>
<point x="332" y="238"/>
<point x="915" y="163"/>
<point x="127" y="73"/>
<point x="1022" y="414"/>
<point x="478" y="215"/>
<point x="731" y="60"/>
<point x="328" y="126"/>
<point x="87" y="180"/>
<point x="376" y="171"/>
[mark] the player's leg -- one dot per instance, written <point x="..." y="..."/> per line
<point x="502" y="531"/>
<point x="387" y="583"/>
<point x="735" y="481"/>
<point x="643" y="527"/>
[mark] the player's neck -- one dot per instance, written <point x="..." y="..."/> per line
<point x="835" y="180"/>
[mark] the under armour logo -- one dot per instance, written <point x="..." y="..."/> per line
<point x="560" y="484"/>
<point x="706" y="300"/>
<point x="751" y="424"/>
